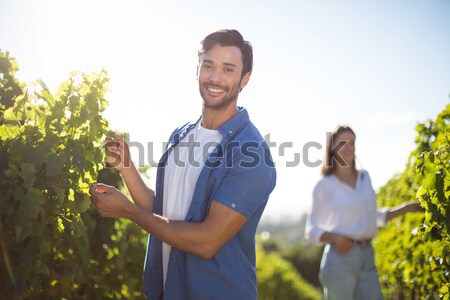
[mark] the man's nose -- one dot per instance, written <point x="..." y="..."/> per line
<point x="215" y="75"/>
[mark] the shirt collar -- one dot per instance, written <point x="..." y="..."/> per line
<point x="229" y="128"/>
<point x="234" y="124"/>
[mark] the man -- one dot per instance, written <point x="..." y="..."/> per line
<point x="212" y="185"/>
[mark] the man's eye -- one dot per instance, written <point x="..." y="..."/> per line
<point x="229" y="70"/>
<point x="207" y="67"/>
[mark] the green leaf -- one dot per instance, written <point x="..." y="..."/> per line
<point x="78" y="227"/>
<point x="8" y="132"/>
<point x="27" y="174"/>
<point x="71" y="195"/>
<point x="36" y="154"/>
<point x="74" y="102"/>
<point x="429" y="182"/>
<point x="94" y="131"/>
<point x="79" y="160"/>
<point x="83" y="202"/>
<point x="60" y="195"/>
<point x="26" y="230"/>
<point x="30" y="205"/>
<point x="55" y="164"/>
<point x="60" y="224"/>
<point x="10" y="116"/>
<point x="85" y="89"/>
<point x="21" y="101"/>
<point x="48" y="97"/>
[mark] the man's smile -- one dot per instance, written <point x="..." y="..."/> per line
<point x="214" y="89"/>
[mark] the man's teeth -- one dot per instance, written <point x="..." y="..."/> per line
<point x="214" y="90"/>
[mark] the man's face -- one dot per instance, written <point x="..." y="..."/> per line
<point x="219" y="76"/>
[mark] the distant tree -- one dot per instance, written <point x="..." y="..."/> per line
<point x="279" y="280"/>
<point x="306" y="259"/>
<point x="287" y="239"/>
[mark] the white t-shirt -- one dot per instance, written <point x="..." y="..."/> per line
<point x="339" y="208"/>
<point x="184" y="164"/>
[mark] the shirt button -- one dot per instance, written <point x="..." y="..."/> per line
<point x="230" y="132"/>
<point x="233" y="205"/>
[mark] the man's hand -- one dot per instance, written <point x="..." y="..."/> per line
<point x="117" y="153"/>
<point x="109" y="201"/>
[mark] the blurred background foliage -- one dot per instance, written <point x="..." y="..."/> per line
<point x="413" y="251"/>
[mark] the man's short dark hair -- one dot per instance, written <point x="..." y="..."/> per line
<point x="229" y="37"/>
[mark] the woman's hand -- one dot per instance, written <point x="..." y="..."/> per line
<point x="343" y="244"/>
<point x="117" y="153"/>
<point x="414" y="206"/>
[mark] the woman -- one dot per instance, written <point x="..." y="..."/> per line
<point x="344" y="216"/>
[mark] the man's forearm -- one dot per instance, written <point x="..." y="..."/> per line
<point x="186" y="236"/>
<point x="140" y="193"/>
<point x="200" y="238"/>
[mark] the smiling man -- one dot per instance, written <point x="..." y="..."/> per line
<point x="212" y="186"/>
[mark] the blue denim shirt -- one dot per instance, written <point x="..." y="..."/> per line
<point x="240" y="174"/>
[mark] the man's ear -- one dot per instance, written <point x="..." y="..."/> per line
<point x="245" y="80"/>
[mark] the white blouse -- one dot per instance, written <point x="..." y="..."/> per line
<point x="339" y="208"/>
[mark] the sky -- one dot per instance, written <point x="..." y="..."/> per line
<point x="379" y="66"/>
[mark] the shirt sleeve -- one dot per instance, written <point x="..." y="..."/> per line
<point x="381" y="216"/>
<point x="382" y="212"/>
<point x="248" y="183"/>
<point x="319" y="210"/>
